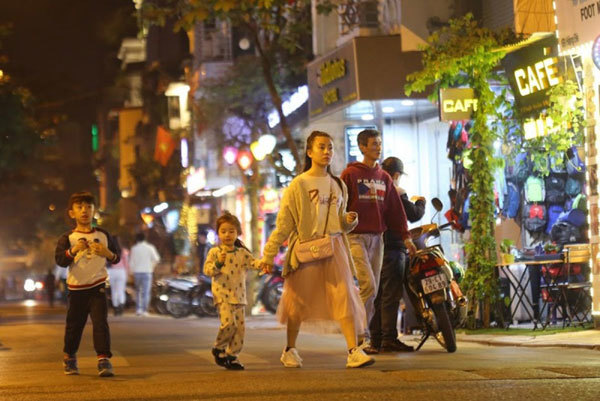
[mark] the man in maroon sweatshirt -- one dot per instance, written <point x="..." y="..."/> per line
<point x="372" y="195"/>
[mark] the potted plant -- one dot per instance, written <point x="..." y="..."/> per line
<point x="505" y="247"/>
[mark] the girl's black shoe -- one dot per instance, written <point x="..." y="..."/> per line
<point x="232" y="363"/>
<point x="221" y="361"/>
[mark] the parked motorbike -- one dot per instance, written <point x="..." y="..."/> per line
<point x="178" y="295"/>
<point x="160" y="297"/>
<point x="434" y="290"/>
<point x="201" y="298"/>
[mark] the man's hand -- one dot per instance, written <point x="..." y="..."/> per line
<point x="417" y="198"/>
<point x="412" y="249"/>
<point x="351" y="216"/>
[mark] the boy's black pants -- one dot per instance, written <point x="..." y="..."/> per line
<point x="81" y="304"/>
<point x="382" y="326"/>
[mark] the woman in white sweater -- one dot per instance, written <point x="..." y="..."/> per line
<point x="320" y="290"/>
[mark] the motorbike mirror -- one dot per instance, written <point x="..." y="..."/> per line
<point x="437" y="204"/>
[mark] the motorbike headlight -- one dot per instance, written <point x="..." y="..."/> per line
<point x="29" y="285"/>
<point x="164" y="297"/>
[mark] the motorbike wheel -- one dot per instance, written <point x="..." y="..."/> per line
<point x="271" y="296"/>
<point x="208" y="306"/>
<point x="445" y="326"/>
<point x="178" y="305"/>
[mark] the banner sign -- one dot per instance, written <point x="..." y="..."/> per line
<point x="457" y="104"/>
<point x="577" y="22"/>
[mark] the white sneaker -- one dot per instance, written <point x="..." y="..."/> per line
<point x="290" y="358"/>
<point x="357" y="358"/>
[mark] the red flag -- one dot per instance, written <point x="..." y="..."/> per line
<point x="165" y="145"/>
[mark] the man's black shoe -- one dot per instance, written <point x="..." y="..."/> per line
<point x="396" y="346"/>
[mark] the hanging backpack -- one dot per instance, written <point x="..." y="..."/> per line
<point x="534" y="189"/>
<point x="573" y="187"/>
<point x="518" y="170"/>
<point x="575" y="165"/>
<point x="512" y="200"/>
<point x="565" y="233"/>
<point x="554" y="211"/>
<point x="557" y="165"/>
<point x="464" y="220"/>
<point x="535" y="217"/>
<point x="580" y="202"/>
<point x="576" y="217"/>
<point x="555" y="189"/>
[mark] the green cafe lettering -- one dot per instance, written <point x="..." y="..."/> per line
<point x="537" y="77"/>
<point x="331" y="70"/>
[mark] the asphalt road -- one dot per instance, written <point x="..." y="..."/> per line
<point x="161" y="358"/>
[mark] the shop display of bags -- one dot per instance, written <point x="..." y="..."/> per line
<point x="575" y="165"/>
<point x="554" y="212"/>
<point x="534" y="189"/>
<point x="573" y="187"/>
<point x="565" y="233"/>
<point x="512" y="200"/>
<point x="555" y="189"/>
<point x="535" y="217"/>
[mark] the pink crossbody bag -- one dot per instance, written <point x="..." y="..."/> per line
<point x="316" y="249"/>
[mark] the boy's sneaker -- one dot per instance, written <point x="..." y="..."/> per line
<point x="233" y="363"/>
<point x="105" y="368"/>
<point x="70" y="366"/>
<point x="357" y="358"/>
<point x="219" y="360"/>
<point x="290" y="358"/>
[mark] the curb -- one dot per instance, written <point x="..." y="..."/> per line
<point x="595" y="347"/>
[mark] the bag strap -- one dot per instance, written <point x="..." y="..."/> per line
<point x="328" y="206"/>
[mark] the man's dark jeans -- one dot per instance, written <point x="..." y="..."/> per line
<point x="81" y="304"/>
<point x="391" y="285"/>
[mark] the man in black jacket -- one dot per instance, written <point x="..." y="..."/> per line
<point x="384" y="334"/>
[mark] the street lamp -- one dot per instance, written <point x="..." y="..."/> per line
<point x="244" y="159"/>
<point x="230" y="154"/>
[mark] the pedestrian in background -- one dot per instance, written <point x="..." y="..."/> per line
<point x="320" y="290"/>
<point x="143" y="258"/>
<point x="227" y="264"/>
<point x="383" y="326"/>
<point x="118" y="274"/>
<point x="85" y="251"/>
<point x="61" y="280"/>
<point x="372" y="195"/>
<point x="50" y="287"/>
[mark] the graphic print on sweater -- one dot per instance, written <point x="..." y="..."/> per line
<point x="371" y="189"/>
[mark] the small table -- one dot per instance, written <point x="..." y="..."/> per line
<point x="520" y="288"/>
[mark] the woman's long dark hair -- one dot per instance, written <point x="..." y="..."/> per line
<point x="227" y="217"/>
<point x="308" y="161"/>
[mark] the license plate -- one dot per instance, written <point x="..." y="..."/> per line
<point x="434" y="283"/>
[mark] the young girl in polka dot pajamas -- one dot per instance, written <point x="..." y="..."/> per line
<point x="227" y="265"/>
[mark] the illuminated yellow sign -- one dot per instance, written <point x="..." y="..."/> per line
<point x="537" y="77"/>
<point x="538" y="127"/>
<point x="459" y="105"/>
<point x="331" y="70"/>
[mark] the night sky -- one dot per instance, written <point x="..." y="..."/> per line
<point x="64" y="51"/>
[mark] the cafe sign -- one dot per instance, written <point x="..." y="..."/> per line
<point x="532" y="71"/>
<point x="332" y="81"/>
<point x="577" y="22"/>
<point x="457" y="104"/>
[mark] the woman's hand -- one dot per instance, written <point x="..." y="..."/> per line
<point x="351" y="216"/>
<point x="266" y="267"/>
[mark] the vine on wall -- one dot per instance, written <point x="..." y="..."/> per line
<point x="464" y="54"/>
